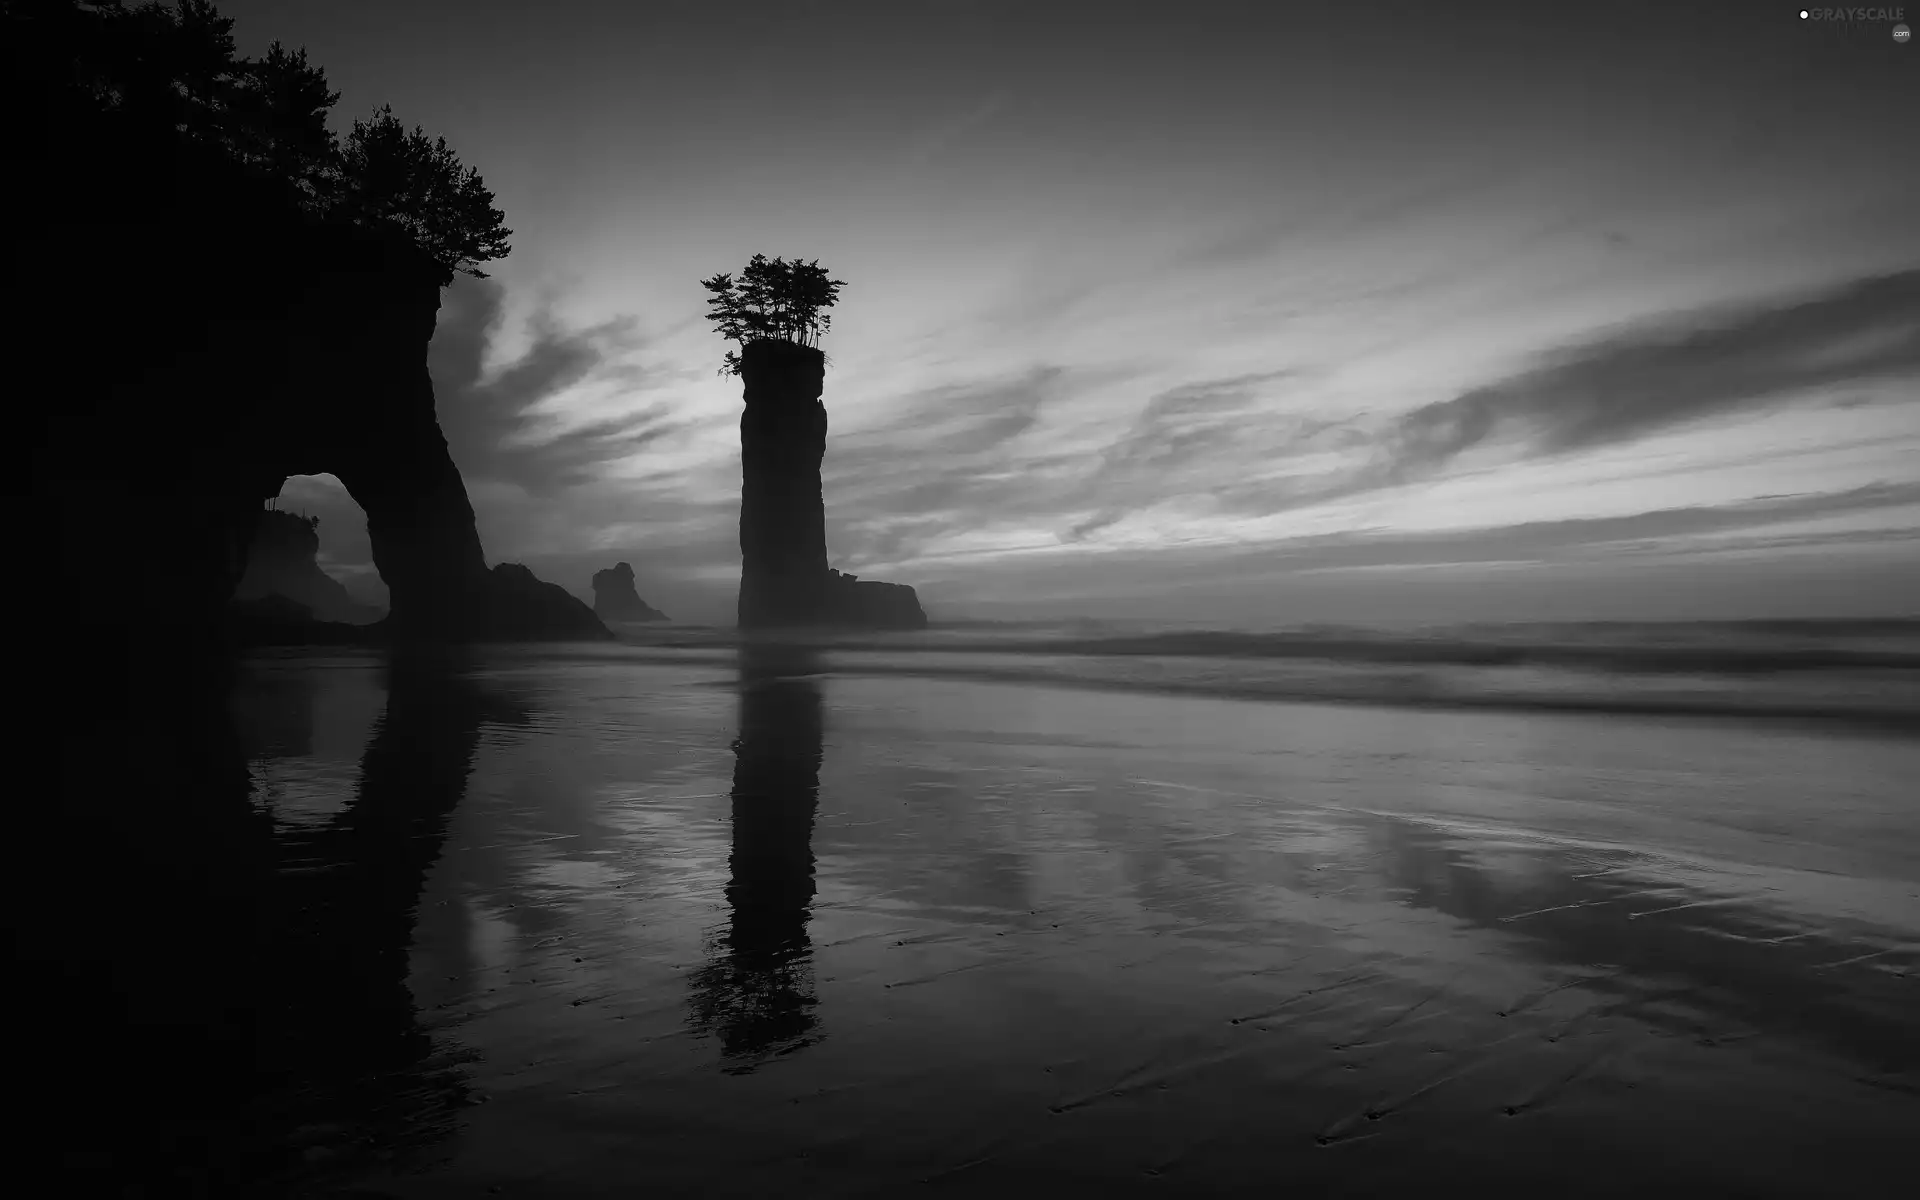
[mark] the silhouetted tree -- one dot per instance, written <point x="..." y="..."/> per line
<point x="774" y="300"/>
<point x="173" y="73"/>
<point x="278" y="122"/>
<point x="395" y="175"/>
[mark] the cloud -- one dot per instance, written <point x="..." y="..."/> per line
<point x="501" y="425"/>
<point x="1257" y="573"/>
<point x="1635" y="383"/>
<point x="950" y="458"/>
<point x="1012" y="463"/>
<point x="1678" y="369"/>
<point x="1659" y="531"/>
<point x="1191" y="434"/>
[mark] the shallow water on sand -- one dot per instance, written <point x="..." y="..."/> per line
<point x="562" y="926"/>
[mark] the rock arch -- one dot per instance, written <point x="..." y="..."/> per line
<point x="217" y="353"/>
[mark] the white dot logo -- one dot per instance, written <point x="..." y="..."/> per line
<point x="1803" y="14"/>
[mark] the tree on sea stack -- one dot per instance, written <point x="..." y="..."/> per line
<point x="773" y="300"/>
<point x="773" y="311"/>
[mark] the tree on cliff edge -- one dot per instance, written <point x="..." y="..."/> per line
<point x="772" y="300"/>
<point x="395" y="175"/>
<point x="172" y="78"/>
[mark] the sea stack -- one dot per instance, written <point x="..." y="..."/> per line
<point x="783" y="519"/>
<point x="614" y="597"/>
<point x="784" y="577"/>
<point x="776" y="313"/>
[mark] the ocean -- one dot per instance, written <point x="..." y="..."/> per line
<point x="1105" y="910"/>
<point x="1846" y="672"/>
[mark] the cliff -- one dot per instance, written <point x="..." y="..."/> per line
<point x="282" y="561"/>
<point x="614" y="597"/>
<point x="255" y="343"/>
<point x="784" y="577"/>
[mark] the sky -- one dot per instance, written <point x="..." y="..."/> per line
<point x="1249" y="313"/>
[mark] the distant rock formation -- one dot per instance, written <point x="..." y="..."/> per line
<point x="870" y="604"/>
<point x="281" y="561"/>
<point x="518" y="598"/>
<point x="614" y="597"/>
<point x="268" y="344"/>
<point x="784" y="577"/>
<point x="512" y="596"/>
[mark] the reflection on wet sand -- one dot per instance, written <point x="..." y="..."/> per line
<point x="1132" y="947"/>
<point x="1641" y="938"/>
<point x="756" y="993"/>
<point x="344" y="1064"/>
<point x="228" y="972"/>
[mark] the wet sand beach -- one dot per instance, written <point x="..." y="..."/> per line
<point x="551" y="925"/>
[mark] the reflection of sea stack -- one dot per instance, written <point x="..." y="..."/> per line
<point x="756" y="992"/>
<point x="784" y="578"/>
<point x="614" y="597"/>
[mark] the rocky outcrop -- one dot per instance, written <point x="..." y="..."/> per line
<point x="212" y="341"/>
<point x="282" y="561"/>
<point x="274" y="620"/>
<point x="784" y="577"/>
<point x="516" y="598"/>
<point x="614" y="597"/>
<point x="869" y="604"/>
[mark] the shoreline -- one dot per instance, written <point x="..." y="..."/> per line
<point x="1860" y="720"/>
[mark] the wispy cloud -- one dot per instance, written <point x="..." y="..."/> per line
<point x="1681" y="369"/>
<point x="501" y="425"/>
<point x="956" y="457"/>
<point x="1655" y="531"/>
<point x="1656" y="376"/>
<point x="1253" y="571"/>
<point x="1186" y="437"/>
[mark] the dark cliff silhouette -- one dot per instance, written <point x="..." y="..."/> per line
<point x="216" y="331"/>
<point x="614" y="597"/>
<point x="282" y="561"/>
<point x="756" y="992"/>
<point x="241" y="376"/>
